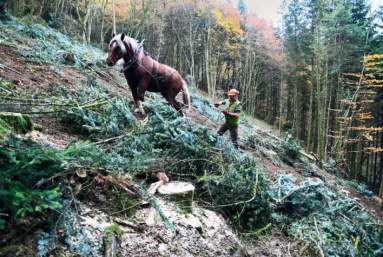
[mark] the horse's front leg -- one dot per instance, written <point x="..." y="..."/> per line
<point x="139" y="95"/>
<point x="137" y="105"/>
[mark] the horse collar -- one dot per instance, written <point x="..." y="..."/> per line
<point x="134" y="60"/>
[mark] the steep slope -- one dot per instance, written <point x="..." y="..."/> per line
<point x="104" y="152"/>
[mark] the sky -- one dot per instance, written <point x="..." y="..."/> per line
<point x="269" y="9"/>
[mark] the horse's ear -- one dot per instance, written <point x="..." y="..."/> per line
<point x="122" y="36"/>
<point x="113" y="34"/>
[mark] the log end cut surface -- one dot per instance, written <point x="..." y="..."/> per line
<point x="175" y="188"/>
<point x="179" y="192"/>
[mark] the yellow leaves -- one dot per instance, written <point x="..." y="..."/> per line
<point x="228" y="22"/>
<point x="372" y="57"/>
<point x="371" y="81"/>
<point x="353" y="74"/>
<point x="373" y="63"/>
<point x="367" y="136"/>
<point x="373" y="69"/>
<point x="302" y="73"/>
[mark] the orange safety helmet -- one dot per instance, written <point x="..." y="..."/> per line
<point x="233" y="92"/>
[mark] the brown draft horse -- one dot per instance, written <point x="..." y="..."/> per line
<point x="143" y="73"/>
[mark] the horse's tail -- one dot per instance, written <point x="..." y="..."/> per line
<point x="186" y="95"/>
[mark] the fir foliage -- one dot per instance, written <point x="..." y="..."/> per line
<point x="74" y="234"/>
<point x="23" y="164"/>
<point x="362" y="188"/>
<point x="290" y="146"/>
<point x="312" y="213"/>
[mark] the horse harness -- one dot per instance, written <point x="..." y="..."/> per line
<point x="134" y="61"/>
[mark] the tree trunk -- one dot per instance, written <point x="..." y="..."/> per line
<point x="319" y="91"/>
<point x="114" y="17"/>
<point x="32" y="8"/>
<point x="281" y="95"/>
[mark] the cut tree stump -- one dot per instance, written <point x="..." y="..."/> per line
<point x="19" y="123"/>
<point x="110" y="246"/>
<point x="272" y="154"/>
<point x="179" y="192"/>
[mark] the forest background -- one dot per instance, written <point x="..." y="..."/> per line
<point x="320" y="75"/>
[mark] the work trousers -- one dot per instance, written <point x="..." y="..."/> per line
<point x="233" y="133"/>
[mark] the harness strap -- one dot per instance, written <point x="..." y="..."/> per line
<point x="167" y="75"/>
<point x="116" y="56"/>
<point x="134" y="59"/>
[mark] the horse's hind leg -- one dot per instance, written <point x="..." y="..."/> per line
<point x="176" y="105"/>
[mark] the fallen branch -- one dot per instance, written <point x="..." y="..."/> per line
<point x="13" y="70"/>
<point x="54" y="111"/>
<point x="320" y="249"/>
<point x="136" y="227"/>
<point x="307" y="155"/>
<point x="258" y="231"/>
<point x="280" y="200"/>
<point x="120" y="183"/>
<point x="153" y="188"/>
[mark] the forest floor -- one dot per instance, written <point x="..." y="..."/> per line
<point x="220" y="238"/>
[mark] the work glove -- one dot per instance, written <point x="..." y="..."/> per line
<point x="216" y="104"/>
<point x="225" y="112"/>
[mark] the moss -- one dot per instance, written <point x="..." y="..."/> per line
<point x="4" y="128"/>
<point x="19" y="123"/>
<point x="109" y="231"/>
<point x="276" y="157"/>
<point x="201" y="231"/>
<point x="38" y="127"/>
<point x="108" y="236"/>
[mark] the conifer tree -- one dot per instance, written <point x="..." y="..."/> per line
<point x="241" y="7"/>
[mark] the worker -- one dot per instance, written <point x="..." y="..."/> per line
<point x="3" y="10"/>
<point x="232" y="112"/>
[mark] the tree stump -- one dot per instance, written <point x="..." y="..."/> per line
<point x="19" y="123"/>
<point x="179" y="192"/>
<point x="272" y="155"/>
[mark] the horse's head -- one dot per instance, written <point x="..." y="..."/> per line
<point x="3" y="10"/>
<point x="120" y="46"/>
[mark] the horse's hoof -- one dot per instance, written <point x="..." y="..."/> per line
<point x="139" y="112"/>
